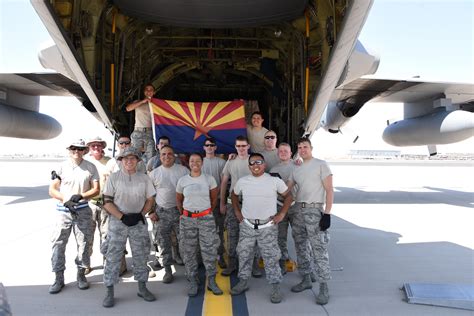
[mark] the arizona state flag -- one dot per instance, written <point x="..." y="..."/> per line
<point x="188" y="124"/>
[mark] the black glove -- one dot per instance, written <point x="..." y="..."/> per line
<point x="54" y="175"/>
<point x="70" y="206"/>
<point x="132" y="219"/>
<point x="325" y="222"/>
<point x="76" y="198"/>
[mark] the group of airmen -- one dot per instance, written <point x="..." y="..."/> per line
<point x="268" y="191"/>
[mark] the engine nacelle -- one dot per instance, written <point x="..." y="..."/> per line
<point x="19" y="123"/>
<point x="431" y="129"/>
<point x="360" y="63"/>
<point x="338" y="114"/>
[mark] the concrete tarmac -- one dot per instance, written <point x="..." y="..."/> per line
<point x="392" y="223"/>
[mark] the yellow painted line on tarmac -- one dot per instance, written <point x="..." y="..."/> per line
<point x="218" y="305"/>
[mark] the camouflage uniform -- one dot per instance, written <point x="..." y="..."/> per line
<point x="266" y="240"/>
<point x="235" y="169"/>
<point x="142" y="138"/>
<point x="75" y="179"/>
<point x="165" y="180"/>
<point x="129" y="193"/>
<point x="214" y="167"/>
<point x="305" y="220"/>
<point x="259" y="203"/>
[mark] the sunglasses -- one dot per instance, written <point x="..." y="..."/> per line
<point x="270" y="137"/>
<point x="73" y="148"/>
<point x="124" y="143"/>
<point x="241" y="146"/>
<point x="256" y="162"/>
<point x="209" y="145"/>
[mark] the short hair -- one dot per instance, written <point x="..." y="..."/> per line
<point x="196" y="154"/>
<point x="210" y="139"/>
<point x="304" y="140"/>
<point x="256" y="112"/>
<point x="164" y="138"/>
<point x="270" y="131"/>
<point x="256" y="155"/>
<point x="284" y="144"/>
<point x="148" y="84"/>
<point x="242" y="138"/>
<point x="167" y="146"/>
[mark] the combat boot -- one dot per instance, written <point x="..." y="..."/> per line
<point x="256" y="272"/>
<point x="303" y="285"/>
<point x="239" y="288"/>
<point x="168" y="277"/>
<point x="109" y="300"/>
<point x="212" y="285"/>
<point x="176" y="256"/>
<point x="144" y="293"/>
<point x="82" y="283"/>
<point x="323" y="296"/>
<point x="276" y="296"/>
<point x="192" y="287"/>
<point x="221" y="262"/>
<point x="231" y="267"/>
<point x="283" y="266"/>
<point x="58" y="283"/>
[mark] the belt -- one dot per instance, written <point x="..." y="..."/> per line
<point x="97" y="202"/>
<point x="258" y="224"/>
<point x="62" y="208"/>
<point x="143" y="129"/>
<point x="196" y="214"/>
<point x="307" y="205"/>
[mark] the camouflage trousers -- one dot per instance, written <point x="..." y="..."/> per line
<point x="100" y="219"/>
<point x="167" y="223"/>
<point x="195" y="233"/>
<point x="116" y="242"/>
<point x="232" y="225"/>
<point x="266" y="240"/>
<point x="283" y="236"/>
<point x="81" y="227"/>
<point x="219" y="219"/>
<point x="144" y="142"/>
<point x="305" y="225"/>
<point x="153" y="231"/>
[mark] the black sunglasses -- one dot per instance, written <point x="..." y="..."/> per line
<point x="209" y="145"/>
<point x="124" y="143"/>
<point x="256" y="162"/>
<point x="74" y="148"/>
<point x="270" y="137"/>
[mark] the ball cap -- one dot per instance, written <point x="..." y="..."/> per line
<point x="80" y="143"/>
<point x="97" y="140"/>
<point x="130" y="151"/>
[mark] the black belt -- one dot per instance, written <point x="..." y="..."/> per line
<point x="143" y="129"/>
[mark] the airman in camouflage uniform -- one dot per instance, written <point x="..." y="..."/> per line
<point x="165" y="178"/>
<point x="73" y="184"/>
<point x="314" y="199"/>
<point x="258" y="218"/>
<point x="128" y="197"/>
<point x="213" y="166"/>
<point x="196" y="196"/>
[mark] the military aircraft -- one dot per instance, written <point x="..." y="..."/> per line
<point x="297" y="61"/>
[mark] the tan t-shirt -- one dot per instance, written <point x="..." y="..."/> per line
<point x="101" y="166"/>
<point x="196" y="191"/>
<point x="76" y="179"/>
<point x="214" y="167"/>
<point x="130" y="192"/>
<point x="165" y="180"/>
<point x="271" y="158"/>
<point x="256" y="138"/>
<point x="309" y="178"/>
<point x="236" y="169"/>
<point x="143" y="116"/>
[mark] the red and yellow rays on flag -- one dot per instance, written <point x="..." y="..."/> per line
<point x="200" y="116"/>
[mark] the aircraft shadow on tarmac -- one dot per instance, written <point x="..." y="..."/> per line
<point x="25" y="194"/>
<point x="346" y="195"/>
<point x="369" y="266"/>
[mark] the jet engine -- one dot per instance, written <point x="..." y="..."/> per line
<point x="441" y="127"/>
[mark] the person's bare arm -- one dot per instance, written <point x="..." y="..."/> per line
<point x="179" y="202"/>
<point x="236" y="206"/>
<point x="224" y="181"/>
<point x="328" y="187"/>
<point x="132" y="106"/>
<point x="54" y="190"/>
<point x="213" y="197"/>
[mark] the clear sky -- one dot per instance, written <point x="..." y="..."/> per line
<point x="432" y="39"/>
